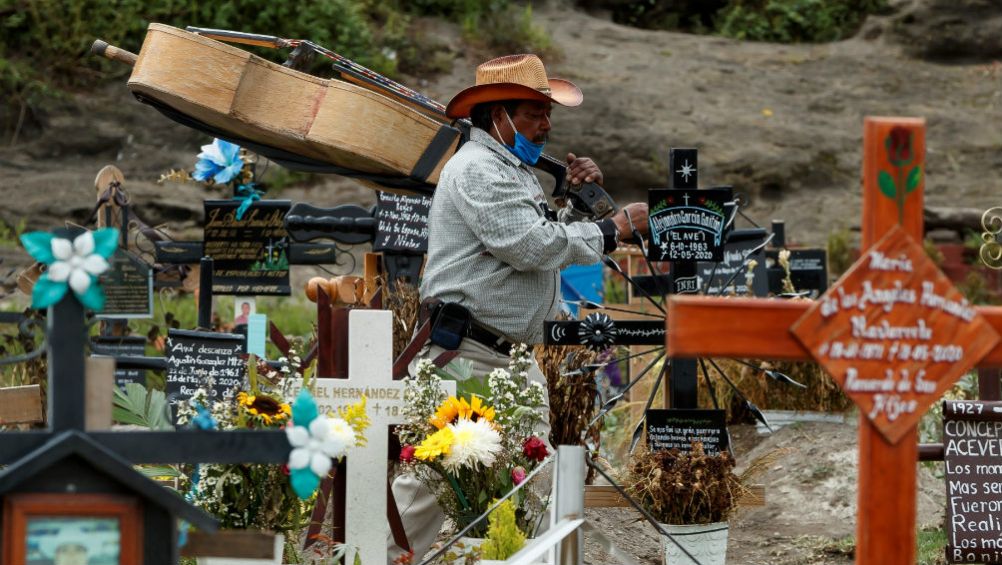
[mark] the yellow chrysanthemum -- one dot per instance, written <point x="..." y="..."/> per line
<point x="438" y="443"/>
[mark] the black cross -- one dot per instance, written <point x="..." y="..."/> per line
<point x="67" y="342"/>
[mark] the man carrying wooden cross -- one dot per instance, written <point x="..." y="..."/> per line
<point x="495" y="247"/>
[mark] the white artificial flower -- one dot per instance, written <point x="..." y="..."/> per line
<point x="76" y="261"/>
<point x="316" y="446"/>
<point x="474" y="443"/>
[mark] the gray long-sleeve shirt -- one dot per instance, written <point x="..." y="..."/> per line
<point x="491" y="247"/>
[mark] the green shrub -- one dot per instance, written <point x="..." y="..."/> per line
<point x="45" y="44"/>
<point x="794" y="21"/>
<point x="785" y="21"/>
<point x="504" y="539"/>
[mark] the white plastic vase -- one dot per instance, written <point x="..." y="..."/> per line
<point x="275" y="560"/>
<point x="706" y="542"/>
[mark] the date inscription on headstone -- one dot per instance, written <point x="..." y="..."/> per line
<point x="402" y="223"/>
<point x="211" y="360"/>
<point x="687" y="225"/>
<point x="895" y="333"/>
<point x="972" y="441"/>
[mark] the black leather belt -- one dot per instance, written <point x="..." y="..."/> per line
<point x="477" y="332"/>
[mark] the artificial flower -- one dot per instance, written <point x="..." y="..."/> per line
<point x="219" y="161"/>
<point x="407" y="453"/>
<point x="474" y="444"/>
<point x="316" y="445"/>
<point x="71" y="265"/>
<point x="518" y="475"/>
<point x="535" y="449"/>
<point x="438" y="443"/>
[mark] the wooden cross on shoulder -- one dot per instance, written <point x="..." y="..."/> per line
<point x="893" y="332"/>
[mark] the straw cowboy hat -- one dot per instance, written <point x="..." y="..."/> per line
<point x="513" y="77"/>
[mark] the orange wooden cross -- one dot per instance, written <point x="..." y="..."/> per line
<point x="893" y="332"/>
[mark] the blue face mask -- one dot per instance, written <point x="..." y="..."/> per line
<point x="526" y="151"/>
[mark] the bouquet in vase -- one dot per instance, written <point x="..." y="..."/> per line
<point x="473" y="448"/>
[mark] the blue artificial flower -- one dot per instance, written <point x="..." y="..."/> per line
<point x="71" y="264"/>
<point x="219" y="161"/>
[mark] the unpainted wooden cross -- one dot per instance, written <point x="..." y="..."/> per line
<point x="892" y="387"/>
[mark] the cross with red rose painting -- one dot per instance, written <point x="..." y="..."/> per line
<point x="893" y="332"/>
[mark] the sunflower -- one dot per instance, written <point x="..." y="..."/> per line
<point x="449" y="411"/>
<point x="476" y="410"/>
<point x="438" y="443"/>
<point x="266" y="408"/>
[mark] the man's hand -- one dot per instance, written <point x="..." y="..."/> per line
<point x="582" y="169"/>
<point x="638" y="215"/>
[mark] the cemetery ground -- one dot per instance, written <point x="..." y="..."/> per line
<point x="809" y="515"/>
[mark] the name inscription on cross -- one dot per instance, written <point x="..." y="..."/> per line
<point x="893" y="332"/>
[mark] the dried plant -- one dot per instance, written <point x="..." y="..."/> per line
<point x="572" y="397"/>
<point x="821" y="395"/>
<point x="405" y="303"/>
<point x="686" y="488"/>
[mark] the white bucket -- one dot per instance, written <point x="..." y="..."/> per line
<point x="706" y="542"/>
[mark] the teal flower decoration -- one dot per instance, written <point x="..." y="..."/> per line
<point x="316" y="440"/>
<point x="219" y="161"/>
<point x="71" y="264"/>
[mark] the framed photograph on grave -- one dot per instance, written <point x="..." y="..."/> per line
<point x="57" y="529"/>
<point x="250" y="254"/>
<point x="243" y="309"/>
<point x="687" y="225"/>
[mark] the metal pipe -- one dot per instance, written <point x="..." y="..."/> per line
<point x="568" y="490"/>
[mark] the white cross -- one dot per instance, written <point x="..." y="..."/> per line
<point x="686" y="198"/>
<point x="370" y="370"/>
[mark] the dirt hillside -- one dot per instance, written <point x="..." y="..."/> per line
<point x="781" y="123"/>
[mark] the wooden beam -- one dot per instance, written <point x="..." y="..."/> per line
<point x="699" y="326"/>
<point x="242" y="544"/>
<point x="757" y="327"/>
<point x="100" y="374"/>
<point x="21" y="405"/>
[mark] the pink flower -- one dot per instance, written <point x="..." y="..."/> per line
<point x="535" y="448"/>
<point x="518" y="475"/>
<point x="407" y="453"/>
